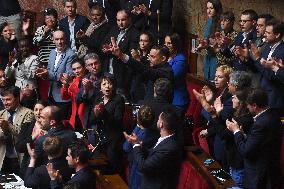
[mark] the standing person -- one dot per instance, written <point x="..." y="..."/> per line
<point x="214" y="10"/>
<point x="60" y="60"/>
<point x="37" y="177"/>
<point x="8" y="44"/>
<point x="160" y="166"/>
<point x="23" y="69"/>
<point x="73" y="23"/>
<point x="178" y="63"/>
<point x="13" y="117"/>
<point x="30" y="134"/>
<point x="260" y="148"/>
<point x="43" y="37"/>
<point x="10" y="12"/>
<point x="71" y="90"/>
<point x="77" y="158"/>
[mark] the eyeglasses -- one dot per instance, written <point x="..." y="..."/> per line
<point x="244" y="21"/>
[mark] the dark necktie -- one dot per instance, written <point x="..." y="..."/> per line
<point x="10" y="119"/>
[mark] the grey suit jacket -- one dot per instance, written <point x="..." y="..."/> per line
<point x="63" y="66"/>
<point x="23" y="115"/>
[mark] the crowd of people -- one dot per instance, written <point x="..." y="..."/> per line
<point x="73" y="77"/>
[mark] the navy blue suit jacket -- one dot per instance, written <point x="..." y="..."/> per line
<point x="161" y="166"/>
<point x="261" y="151"/>
<point x="269" y="81"/>
<point x="81" y="22"/>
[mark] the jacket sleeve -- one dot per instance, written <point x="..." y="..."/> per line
<point x="32" y="178"/>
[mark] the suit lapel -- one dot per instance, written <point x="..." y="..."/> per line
<point x="60" y="61"/>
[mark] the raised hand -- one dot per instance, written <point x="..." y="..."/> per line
<point x="144" y="10"/>
<point x="208" y="93"/>
<point x="80" y="34"/>
<point x="218" y="105"/>
<point x="115" y="50"/>
<point x="135" y="54"/>
<point x="41" y="73"/>
<point x="132" y="139"/>
<point x="53" y="174"/>
<point x="255" y="52"/>
<point x="64" y="79"/>
<point x="26" y="25"/>
<point x="232" y="125"/>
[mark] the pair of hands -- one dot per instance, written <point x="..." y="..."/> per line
<point x="112" y="48"/>
<point x="41" y="72"/>
<point x="65" y="79"/>
<point x="132" y="139"/>
<point x="141" y="9"/>
<point x="217" y="41"/>
<point x="273" y="64"/>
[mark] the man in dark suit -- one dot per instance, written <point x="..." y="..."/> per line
<point x="159" y="67"/>
<point x="126" y="38"/>
<point x="73" y="23"/>
<point x="261" y="147"/>
<point x="51" y="121"/>
<point x="160" y="166"/>
<point x="38" y="177"/>
<point x="274" y="50"/>
<point x="77" y="157"/>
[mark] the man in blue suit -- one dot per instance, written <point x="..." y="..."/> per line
<point x="59" y="62"/>
<point x="260" y="148"/>
<point x="160" y="166"/>
<point x="73" y="24"/>
<point x="270" y="82"/>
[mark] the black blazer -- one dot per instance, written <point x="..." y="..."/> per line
<point x="129" y="41"/>
<point x="261" y="151"/>
<point x="67" y="136"/>
<point x="161" y="166"/>
<point x="81" y="22"/>
<point x="39" y="178"/>
<point x="269" y="81"/>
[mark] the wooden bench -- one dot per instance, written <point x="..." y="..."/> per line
<point x="110" y="181"/>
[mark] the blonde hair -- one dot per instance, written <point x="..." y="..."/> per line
<point x="227" y="70"/>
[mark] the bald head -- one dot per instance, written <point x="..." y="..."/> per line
<point x="59" y="40"/>
<point x="50" y="116"/>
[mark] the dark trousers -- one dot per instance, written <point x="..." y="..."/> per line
<point x="11" y="165"/>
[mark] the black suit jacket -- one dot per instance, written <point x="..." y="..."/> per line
<point x="81" y="22"/>
<point x="160" y="167"/>
<point x="84" y="178"/>
<point x="67" y="136"/>
<point x="39" y="178"/>
<point x="129" y="41"/>
<point x="269" y="81"/>
<point x="261" y="151"/>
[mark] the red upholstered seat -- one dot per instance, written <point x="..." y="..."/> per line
<point x="190" y="179"/>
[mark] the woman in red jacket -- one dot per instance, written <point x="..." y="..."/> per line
<point x="70" y="90"/>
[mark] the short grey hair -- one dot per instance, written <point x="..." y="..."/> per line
<point x="240" y="79"/>
<point x="92" y="56"/>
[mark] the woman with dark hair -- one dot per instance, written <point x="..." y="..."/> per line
<point x="43" y="37"/>
<point x="70" y="90"/>
<point x="31" y="132"/>
<point x="243" y="117"/>
<point x="23" y="68"/>
<point x="107" y="115"/>
<point x="214" y="11"/>
<point x="8" y="44"/>
<point x="177" y="61"/>
<point x="138" y="85"/>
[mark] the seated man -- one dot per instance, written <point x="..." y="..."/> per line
<point x="11" y="120"/>
<point x="38" y="177"/>
<point x="51" y="121"/>
<point x="160" y="166"/>
<point x="78" y="156"/>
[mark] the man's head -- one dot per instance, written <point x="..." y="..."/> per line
<point x="227" y="21"/>
<point x="274" y="31"/>
<point x="257" y="101"/>
<point x="59" y="40"/>
<point x="93" y="63"/>
<point x="50" y="116"/>
<point x="168" y="121"/>
<point x="97" y="14"/>
<point x="123" y="19"/>
<point x="158" y="55"/>
<point x="261" y="24"/>
<point x="52" y="146"/>
<point x="163" y="88"/>
<point x="70" y="7"/>
<point x="24" y="47"/>
<point x="77" y="154"/>
<point x="146" y="116"/>
<point x="11" y="98"/>
<point x="248" y="20"/>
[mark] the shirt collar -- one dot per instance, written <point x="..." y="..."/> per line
<point x="163" y="138"/>
<point x="273" y="47"/>
<point x="257" y="115"/>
